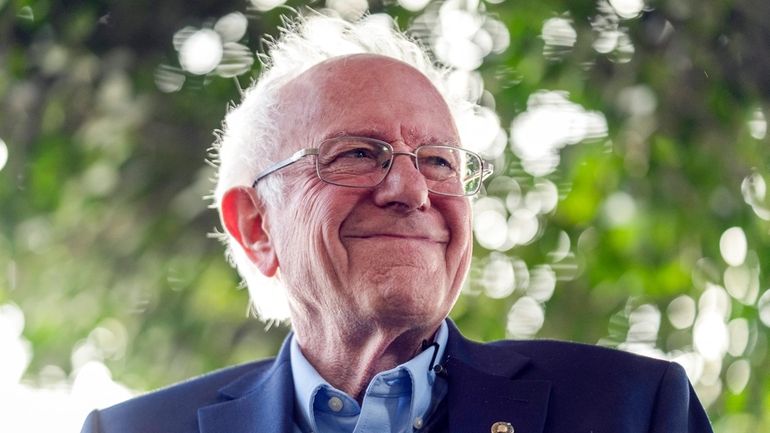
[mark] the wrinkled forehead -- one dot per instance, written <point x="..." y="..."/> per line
<point x="363" y="93"/>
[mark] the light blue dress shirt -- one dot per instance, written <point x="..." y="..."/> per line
<point x="398" y="400"/>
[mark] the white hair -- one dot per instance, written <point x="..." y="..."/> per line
<point x="248" y="140"/>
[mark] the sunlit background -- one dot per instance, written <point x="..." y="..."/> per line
<point x="629" y="207"/>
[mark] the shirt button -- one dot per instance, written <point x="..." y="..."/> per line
<point x="418" y="423"/>
<point x="335" y="404"/>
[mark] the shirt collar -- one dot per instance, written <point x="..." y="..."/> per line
<point x="307" y="380"/>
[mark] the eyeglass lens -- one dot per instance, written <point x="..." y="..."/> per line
<point x="364" y="162"/>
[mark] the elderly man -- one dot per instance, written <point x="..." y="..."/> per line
<point x="343" y="176"/>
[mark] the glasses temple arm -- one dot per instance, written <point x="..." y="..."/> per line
<point x="286" y="162"/>
<point x="486" y="170"/>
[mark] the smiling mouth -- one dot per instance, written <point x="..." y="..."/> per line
<point x="393" y="236"/>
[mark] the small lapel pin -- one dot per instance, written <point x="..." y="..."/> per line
<point x="502" y="427"/>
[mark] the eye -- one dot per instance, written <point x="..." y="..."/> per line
<point x="357" y="153"/>
<point x="436" y="161"/>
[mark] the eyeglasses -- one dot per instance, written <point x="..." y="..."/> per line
<point x="363" y="162"/>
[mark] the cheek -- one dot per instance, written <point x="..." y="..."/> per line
<point x="458" y="219"/>
<point x="310" y="236"/>
<point x="460" y="249"/>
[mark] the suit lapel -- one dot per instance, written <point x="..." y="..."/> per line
<point x="259" y="402"/>
<point x="483" y="388"/>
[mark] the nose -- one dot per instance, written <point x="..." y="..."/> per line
<point x="404" y="188"/>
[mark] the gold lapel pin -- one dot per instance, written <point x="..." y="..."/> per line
<point x="502" y="427"/>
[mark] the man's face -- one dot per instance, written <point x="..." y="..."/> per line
<point x="394" y="253"/>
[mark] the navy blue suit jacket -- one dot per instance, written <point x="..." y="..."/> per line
<point x="537" y="386"/>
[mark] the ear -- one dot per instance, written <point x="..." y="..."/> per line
<point x="243" y="216"/>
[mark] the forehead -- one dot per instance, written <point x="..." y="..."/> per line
<point x="364" y="95"/>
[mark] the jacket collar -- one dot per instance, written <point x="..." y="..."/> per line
<point x="261" y="401"/>
<point x="484" y="388"/>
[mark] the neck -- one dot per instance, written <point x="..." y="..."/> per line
<point x="349" y="356"/>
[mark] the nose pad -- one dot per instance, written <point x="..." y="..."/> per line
<point x="411" y="156"/>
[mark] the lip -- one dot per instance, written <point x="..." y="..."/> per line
<point x="399" y="236"/>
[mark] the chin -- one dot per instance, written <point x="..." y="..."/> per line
<point x="399" y="318"/>
<point x="408" y="307"/>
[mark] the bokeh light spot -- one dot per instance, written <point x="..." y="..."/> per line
<point x="542" y="283"/>
<point x="266" y="5"/>
<point x="236" y="60"/>
<point x="758" y="125"/>
<point x="16" y="350"/>
<point x="498" y="277"/>
<point x="232" y="27"/>
<point x="458" y="38"/>
<point x="681" y="312"/>
<point x="559" y="36"/>
<point x="521" y="272"/>
<point x="607" y="41"/>
<point x="637" y="100"/>
<point x="710" y="336"/>
<point x="737" y="376"/>
<point x="523" y="227"/>
<point x="739" y="336"/>
<point x="612" y="38"/>
<point x="543" y="198"/>
<point x="742" y="282"/>
<point x="181" y="35"/>
<point x="349" y="9"/>
<point x="619" y="209"/>
<point x="551" y="122"/>
<point x="644" y="323"/>
<point x="201" y="52"/>
<point x="413" y="5"/>
<point x="754" y="190"/>
<point x="501" y="38"/>
<point x="99" y="179"/>
<point x="169" y="79"/>
<point x="562" y="249"/>
<point x="763" y="305"/>
<point x="94" y="386"/>
<point x="3" y="154"/>
<point x="559" y="31"/>
<point x="627" y="9"/>
<point x="715" y="299"/>
<point x="479" y="130"/>
<point x="467" y="85"/>
<point x="489" y="223"/>
<point x="733" y="246"/>
<point x="525" y="318"/>
<point x="460" y="19"/>
<point x="458" y="52"/>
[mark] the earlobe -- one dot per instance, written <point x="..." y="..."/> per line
<point x="244" y="218"/>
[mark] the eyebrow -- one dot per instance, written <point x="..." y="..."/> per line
<point x="413" y="135"/>
<point x="419" y="136"/>
<point x="361" y="132"/>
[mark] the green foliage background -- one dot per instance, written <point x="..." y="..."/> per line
<point x="103" y="228"/>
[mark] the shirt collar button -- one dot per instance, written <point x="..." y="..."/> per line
<point x="335" y="404"/>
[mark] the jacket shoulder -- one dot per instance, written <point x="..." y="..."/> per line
<point x="562" y="351"/>
<point x="565" y="354"/>
<point x="172" y="408"/>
